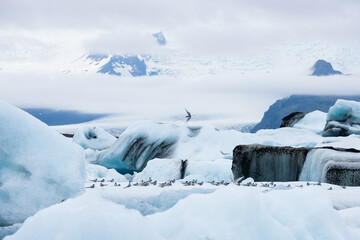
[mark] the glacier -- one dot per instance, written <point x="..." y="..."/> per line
<point x="38" y="167"/>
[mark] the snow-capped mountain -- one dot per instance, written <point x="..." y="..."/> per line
<point x="121" y="65"/>
<point x="168" y="56"/>
<point x="168" y="60"/>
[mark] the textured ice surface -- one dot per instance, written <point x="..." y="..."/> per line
<point x="168" y="169"/>
<point x="343" y="119"/>
<point x="344" y="110"/>
<point x="87" y="217"/>
<point x="222" y="215"/>
<point x="268" y="163"/>
<point x="38" y="167"/>
<point x="320" y="161"/>
<point x="182" y="213"/>
<point x="93" y="137"/>
<point x="138" y="144"/>
<point x="157" y="201"/>
<point x="147" y="140"/>
<point x="8" y="230"/>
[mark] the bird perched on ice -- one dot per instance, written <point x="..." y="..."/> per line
<point x="188" y="116"/>
<point x="129" y="185"/>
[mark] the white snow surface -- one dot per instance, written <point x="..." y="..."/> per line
<point x="38" y="166"/>
<point x="218" y="170"/>
<point x="94" y="171"/>
<point x="209" y="212"/>
<point x="160" y="170"/>
<point x="93" y="137"/>
<point x="314" y="121"/>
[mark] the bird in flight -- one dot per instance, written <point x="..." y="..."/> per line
<point x="188" y="116"/>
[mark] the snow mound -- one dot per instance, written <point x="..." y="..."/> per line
<point x="228" y="214"/>
<point x="93" y="137"/>
<point x="343" y="119"/>
<point x="351" y="217"/>
<point x="314" y="121"/>
<point x="225" y="213"/>
<point x="38" y="167"/>
<point x="87" y="217"/>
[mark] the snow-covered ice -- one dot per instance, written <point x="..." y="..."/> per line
<point x="138" y="144"/>
<point x="343" y="119"/>
<point x="147" y="140"/>
<point x="210" y="212"/>
<point x="94" y="171"/>
<point x="217" y="170"/>
<point x="93" y="137"/>
<point x="38" y="166"/>
<point x="160" y="170"/>
<point x="168" y="169"/>
<point x="211" y="207"/>
<point x="314" y="121"/>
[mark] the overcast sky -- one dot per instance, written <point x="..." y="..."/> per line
<point x="206" y="28"/>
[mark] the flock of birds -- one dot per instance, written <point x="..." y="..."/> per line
<point x="195" y="182"/>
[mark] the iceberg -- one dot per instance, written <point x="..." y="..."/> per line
<point x="343" y="119"/>
<point x="148" y="140"/>
<point x="268" y="163"/>
<point x="38" y="167"/>
<point x="169" y="169"/>
<point x="314" y="121"/>
<point x="94" y="138"/>
<point x="138" y="144"/>
<point x="332" y="166"/>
